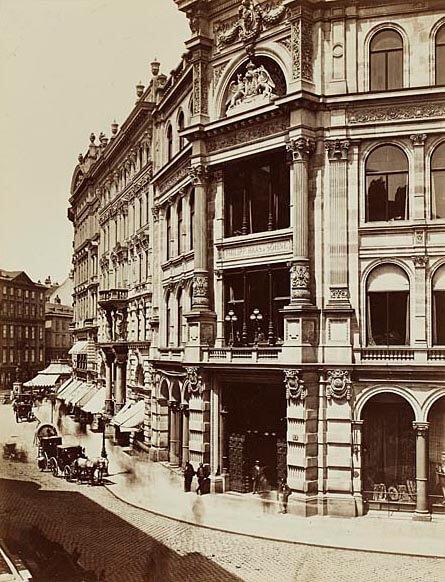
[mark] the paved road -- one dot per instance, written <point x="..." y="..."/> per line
<point x="129" y="544"/>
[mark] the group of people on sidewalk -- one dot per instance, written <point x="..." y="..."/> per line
<point x="260" y="485"/>
<point x="202" y="475"/>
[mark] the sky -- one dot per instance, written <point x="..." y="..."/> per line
<point x="67" y="68"/>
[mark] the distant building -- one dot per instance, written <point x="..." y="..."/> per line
<point x="22" y="320"/>
<point x="58" y="317"/>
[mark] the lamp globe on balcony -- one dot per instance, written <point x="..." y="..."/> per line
<point x="232" y="319"/>
<point x="256" y="316"/>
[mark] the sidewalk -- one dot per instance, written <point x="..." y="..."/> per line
<point x="155" y="488"/>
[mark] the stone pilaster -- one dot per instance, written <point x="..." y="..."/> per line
<point x="357" y="482"/>
<point x="418" y="212"/>
<point x="185" y="432"/>
<point x="302" y="51"/>
<point x="109" y="402"/>
<point x="420" y="306"/>
<point x="199" y="421"/>
<point x="301" y="397"/>
<point x="121" y="376"/>
<point x="422" y="512"/>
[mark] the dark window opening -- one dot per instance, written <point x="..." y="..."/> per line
<point x="257" y="195"/>
<point x="439" y="318"/>
<point x="253" y="304"/>
<point x="386" y="61"/>
<point x="386" y="184"/>
<point x="192" y="217"/>
<point x="440" y="56"/>
<point x="169" y="143"/>
<point x="388" y="317"/>
<point x="167" y="319"/>
<point x="180" y="128"/>
<point x="179" y="213"/>
<point x="438" y="182"/>
<point x="168" y="232"/>
<point x="180" y="317"/>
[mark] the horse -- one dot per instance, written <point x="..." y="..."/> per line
<point x="93" y="469"/>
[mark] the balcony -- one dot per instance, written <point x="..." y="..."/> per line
<point x="113" y="298"/>
<point x="387" y="354"/>
<point x="251" y="355"/>
<point x="175" y="354"/>
<point x="436" y="355"/>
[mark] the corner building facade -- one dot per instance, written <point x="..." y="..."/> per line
<point x="272" y="252"/>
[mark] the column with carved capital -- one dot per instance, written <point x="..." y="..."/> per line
<point x="121" y="377"/>
<point x="422" y="512"/>
<point x="302" y="453"/>
<point x="300" y="315"/>
<point x="337" y="151"/>
<point x="109" y="360"/>
<point x="418" y="212"/>
<point x="419" y="331"/>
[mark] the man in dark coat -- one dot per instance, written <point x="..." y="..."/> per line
<point x="189" y="473"/>
<point x="284" y="492"/>
<point x="256" y="477"/>
<point x="200" y="475"/>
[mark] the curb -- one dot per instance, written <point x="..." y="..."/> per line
<point x="268" y="537"/>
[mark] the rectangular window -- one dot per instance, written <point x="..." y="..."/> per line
<point x="19" y="292"/>
<point x="33" y="355"/>
<point x="11" y="291"/>
<point x="439" y="318"/>
<point x="11" y="331"/>
<point x="5" y="356"/>
<point x="33" y="294"/>
<point x="395" y="69"/>
<point x="33" y="332"/>
<point x="40" y="333"/>
<point x="5" y="290"/>
<point x="388" y="318"/>
<point x="41" y="354"/>
<point x="26" y="332"/>
<point x="378" y="71"/>
<point x="5" y="331"/>
<point x="27" y="293"/>
<point x="26" y="355"/>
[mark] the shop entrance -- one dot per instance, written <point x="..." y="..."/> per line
<point x="389" y="453"/>
<point x="256" y="431"/>
<point x="436" y="474"/>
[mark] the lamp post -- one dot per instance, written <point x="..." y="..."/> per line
<point x="256" y="317"/>
<point x="103" y="453"/>
<point x="232" y="319"/>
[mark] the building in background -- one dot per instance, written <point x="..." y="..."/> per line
<point x="58" y="321"/>
<point x="259" y="253"/>
<point x="22" y="326"/>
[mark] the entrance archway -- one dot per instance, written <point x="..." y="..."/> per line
<point x="175" y="425"/>
<point x="388" y="452"/>
<point x="436" y="419"/>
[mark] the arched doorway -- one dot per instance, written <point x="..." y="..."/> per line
<point x="175" y="425"/>
<point x="388" y="453"/>
<point x="436" y="456"/>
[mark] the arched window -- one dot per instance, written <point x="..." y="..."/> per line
<point x="139" y="375"/>
<point x="179" y="225"/>
<point x="169" y="143"/>
<point x="439" y="307"/>
<point x="168" y="234"/>
<point x="387" y="296"/>
<point x="386" y="61"/>
<point x="386" y="184"/>
<point x="438" y="182"/>
<point x="181" y="124"/>
<point x="440" y="56"/>
<point x="167" y="320"/>
<point x="180" y="322"/>
<point x="192" y="217"/>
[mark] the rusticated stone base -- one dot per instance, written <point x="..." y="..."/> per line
<point x="157" y="454"/>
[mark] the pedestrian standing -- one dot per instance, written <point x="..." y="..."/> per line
<point x="256" y="477"/>
<point x="200" y="475"/>
<point x="189" y="473"/>
<point x="283" y="494"/>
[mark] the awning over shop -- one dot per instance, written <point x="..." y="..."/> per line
<point x="63" y="387"/>
<point x="69" y="391"/>
<point x="42" y="381"/>
<point x="87" y="397"/>
<point x="57" y="368"/>
<point x="79" y="393"/>
<point x="130" y="416"/>
<point x="97" y="402"/>
<point x="79" y="347"/>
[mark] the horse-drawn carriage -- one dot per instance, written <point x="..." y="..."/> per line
<point x="23" y="409"/>
<point x="69" y="461"/>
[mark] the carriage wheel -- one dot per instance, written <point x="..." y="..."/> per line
<point x="67" y="473"/>
<point x="53" y="467"/>
<point x="17" y="417"/>
<point x="95" y="476"/>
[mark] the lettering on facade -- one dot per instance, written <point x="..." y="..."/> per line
<point x="261" y="249"/>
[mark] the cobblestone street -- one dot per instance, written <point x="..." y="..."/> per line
<point x="126" y="543"/>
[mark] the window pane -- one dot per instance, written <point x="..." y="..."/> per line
<point x="440" y="36"/>
<point x="395" y="70"/>
<point x="397" y="318"/>
<point x="377" y="316"/>
<point x="438" y="194"/>
<point x="440" y="64"/>
<point x="377" y="68"/>
<point x="397" y="203"/>
<point x="387" y="159"/>
<point x="439" y="317"/>
<point x="438" y="158"/>
<point x="376" y="198"/>
<point x="387" y="39"/>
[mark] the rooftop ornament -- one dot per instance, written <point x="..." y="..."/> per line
<point x="139" y="89"/>
<point x="155" y="65"/>
<point x="114" y="128"/>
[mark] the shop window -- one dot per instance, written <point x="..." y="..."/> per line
<point x="438" y="182"/>
<point x="439" y="307"/>
<point x="257" y="195"/>
<point x="253" y="306"/>
<point x="386" y="184"/>
<point x="387" y="307"/>
<point x="440" y="56"/>
<point x="386" y="61"/>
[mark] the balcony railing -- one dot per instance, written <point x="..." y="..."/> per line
<point x="387" y="354"/>
<point x="436" y="355"/>
<point x="171" y="353"/>
<point x="253" y="354"/>
<point x="113" y="295"/>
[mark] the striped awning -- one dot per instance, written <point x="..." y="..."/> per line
<point x="79" y="347"/>
<point x="69" y="391"/>
<point x="97" y="402"/>
<point x="64" y="386"/>
<point x="43" y="381"/>
<point x="79" y="393"/>
<point x="130" y="416"/>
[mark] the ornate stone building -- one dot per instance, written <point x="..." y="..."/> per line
<point x="271" y="227"/>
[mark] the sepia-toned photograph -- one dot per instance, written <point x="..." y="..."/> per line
<point x="222" y="290"/>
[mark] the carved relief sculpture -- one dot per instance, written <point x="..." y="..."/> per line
<point x="252" y="89"/>
<point x="299" y="282"/>
<point x="200" y="290"/>
<point x="295" y="388"/>
<point x="339" y="385"/>
<point x="194" y="381"/>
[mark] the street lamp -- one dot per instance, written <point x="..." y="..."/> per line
<point x="232" y="319"/>
<point x="256" y="317"/>
<point x="103" y="453"/>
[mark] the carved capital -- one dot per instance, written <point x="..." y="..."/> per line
<point x="299" y="282"/>
<point x="295" y="388"/>
<point x="337" y="149"/>
<point x="200" y="290"/>
<point x="418" y="139"/>
<point x="420" y="261"/>
<point x="300" y="148"/>
<point x="421" y="428"/>
<point x="198" y="174"/>
<point x="155" y="211"/>
<point x="338" y="385"/>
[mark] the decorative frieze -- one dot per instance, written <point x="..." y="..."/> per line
<point x="218" y="71"/>
<point x="396" y="113"/>
<point x="295" y="388"/>
<point x="178" y="174"/>
<point x="337" y="149"/>
<point x="338" y="385"/>
<point x="302" y="49"/>
<point x="200" y="88"/>
<point x="339" y="294"/>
